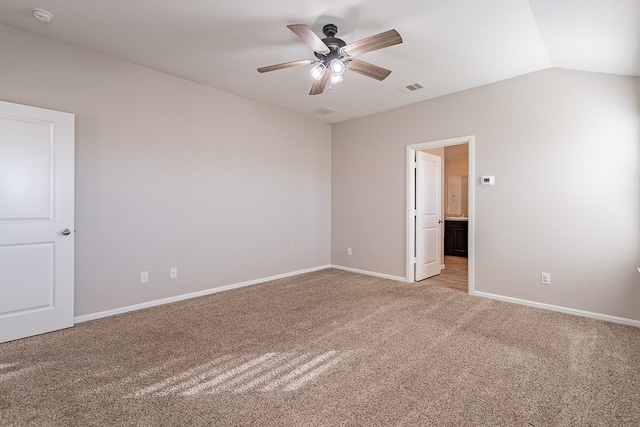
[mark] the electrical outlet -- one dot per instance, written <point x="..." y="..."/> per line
<point x="349" y="252"/>
<point x="173" y="272"/>
<point x="144" y="277"/>
<point x="545" y="278"/>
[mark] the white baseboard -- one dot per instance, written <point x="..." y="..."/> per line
<point x="370" y="273"/>
<point x="583" y="313"/>
<point x="107" y="313"/>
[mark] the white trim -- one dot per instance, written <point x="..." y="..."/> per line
<point x="561" y="309"/>
<point x="410" y="198"/>
<point x="107" y="313"/>
<point x="370" y="273"/>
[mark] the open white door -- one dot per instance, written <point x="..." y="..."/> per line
<point x="428" y="211"/>
<point x="36" y="220"/>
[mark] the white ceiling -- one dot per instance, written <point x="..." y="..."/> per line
<point x="449" y="45"/>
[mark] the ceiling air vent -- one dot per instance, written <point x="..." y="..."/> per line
<point x="412" y="87"/>
<point x="325" y="111"/>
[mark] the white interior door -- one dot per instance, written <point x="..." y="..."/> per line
<point x="36" y="220"/>
<point x="428" y="215"/>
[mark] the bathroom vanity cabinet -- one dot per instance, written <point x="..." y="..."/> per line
<point x="455" y="237"/>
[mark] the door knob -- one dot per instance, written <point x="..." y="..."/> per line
<point x="65" y="232"/>
<point x="440" y="221"/>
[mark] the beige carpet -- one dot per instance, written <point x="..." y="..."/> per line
<point x="327" y="348"/>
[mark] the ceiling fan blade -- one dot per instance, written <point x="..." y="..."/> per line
<point x="319" y="85"/>
<point x="368" y="70"/>
<point x="309" y="37"/>
<point x="386" y="39"/>
<point x="285" y="65"/>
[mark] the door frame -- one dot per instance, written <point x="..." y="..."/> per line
<point x="410" y="202"/>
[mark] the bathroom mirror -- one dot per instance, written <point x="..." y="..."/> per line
<point x="456" y="203"/>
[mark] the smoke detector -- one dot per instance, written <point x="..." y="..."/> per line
<point x="42" y="15"/>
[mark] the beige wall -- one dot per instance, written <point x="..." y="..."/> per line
<point x="174" y="174"/>
<point x="171" y="173"/>
<point x="564" y="147"/>
<point x="457" y="166"/>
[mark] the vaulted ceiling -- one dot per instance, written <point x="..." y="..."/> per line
<point x="448" y="45"/>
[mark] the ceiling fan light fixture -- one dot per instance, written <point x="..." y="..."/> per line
<point x="335" y="79"/>
<point x="337" y="67"/>
<point x="318" y="70"/>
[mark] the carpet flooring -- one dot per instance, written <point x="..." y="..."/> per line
<point x="328" y="348"/>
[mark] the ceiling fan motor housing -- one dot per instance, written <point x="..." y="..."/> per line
<point x="333" y="43"/>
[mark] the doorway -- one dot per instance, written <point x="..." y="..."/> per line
<point x="459" y="270"/>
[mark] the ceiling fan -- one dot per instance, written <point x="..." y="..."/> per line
<point x="334" y="56"/>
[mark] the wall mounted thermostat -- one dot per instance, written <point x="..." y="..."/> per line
<point x="486" y="180"/>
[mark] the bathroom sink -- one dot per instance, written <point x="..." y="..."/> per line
<point x="456" y="218"/>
